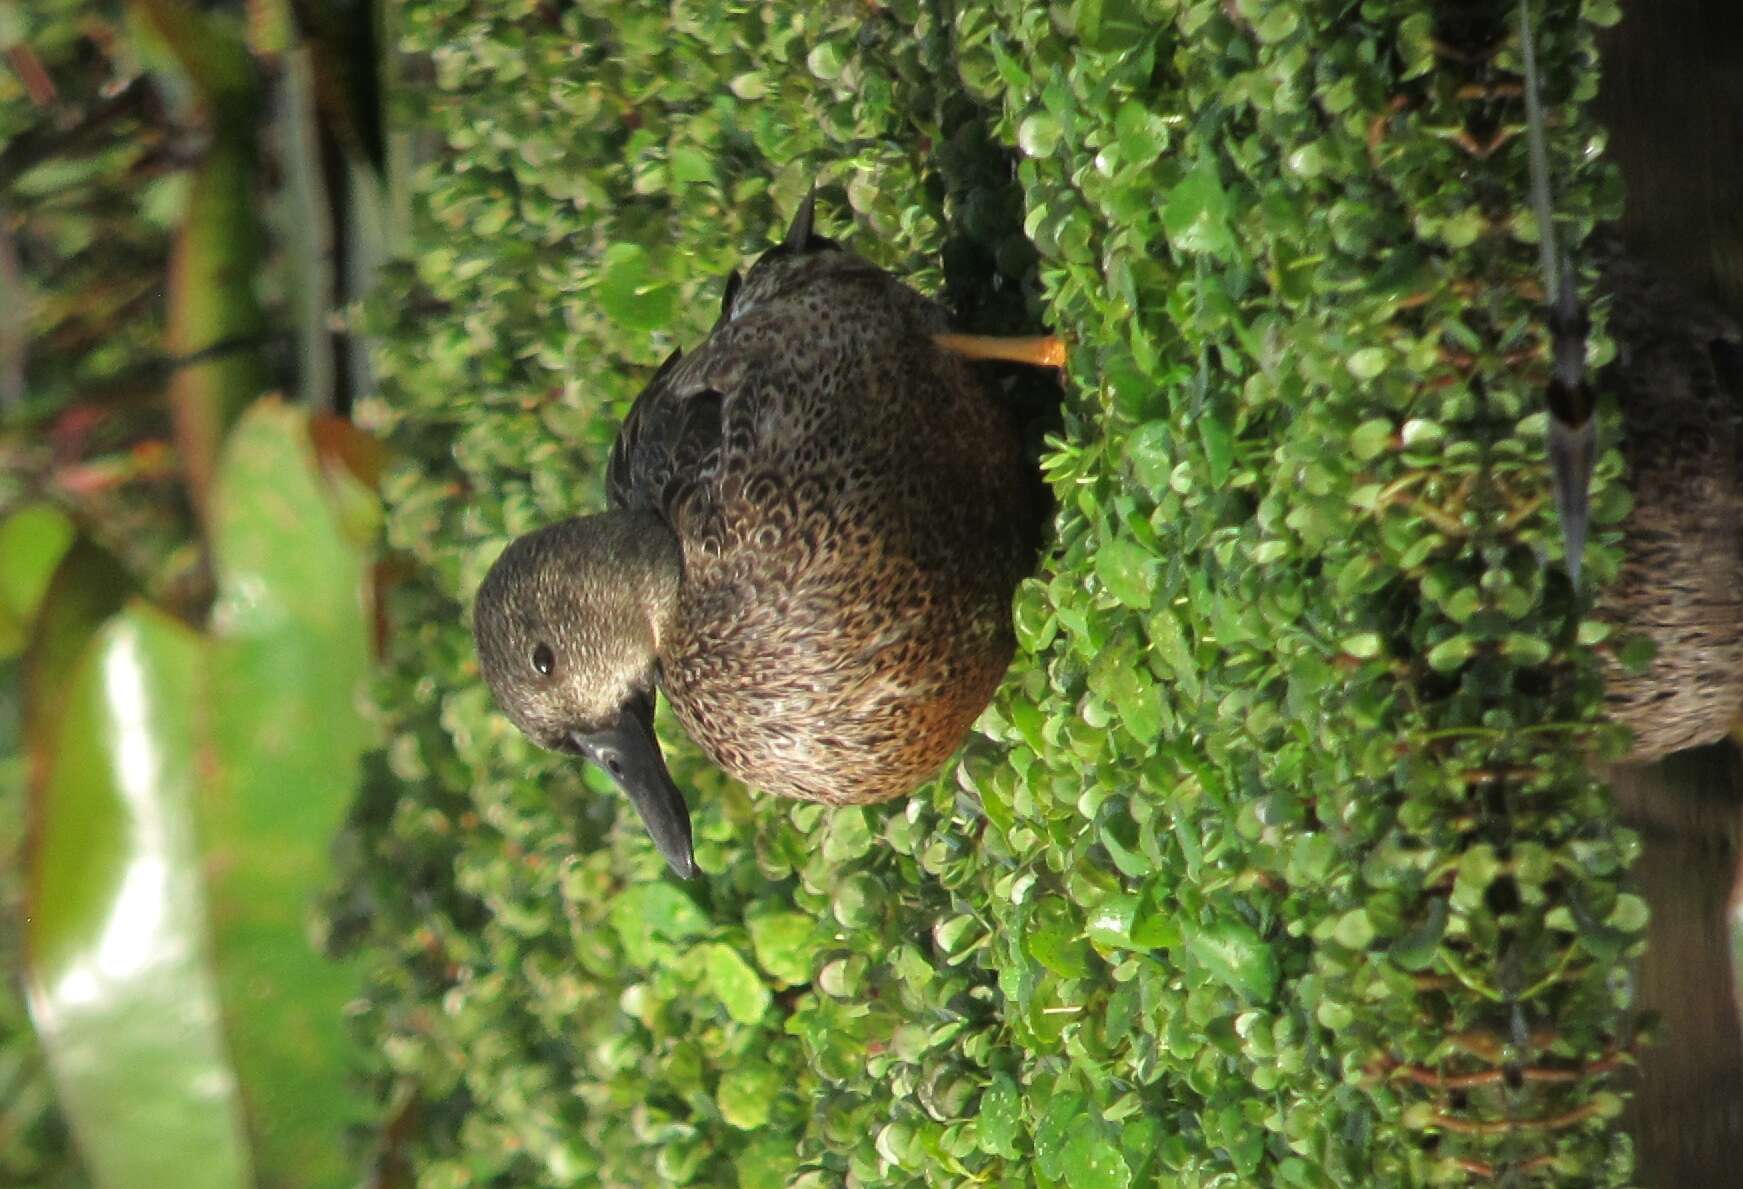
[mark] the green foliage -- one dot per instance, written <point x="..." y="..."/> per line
<point x="1285" y="801"/>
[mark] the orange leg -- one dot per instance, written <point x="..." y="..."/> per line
<point x="1046" y="350"/>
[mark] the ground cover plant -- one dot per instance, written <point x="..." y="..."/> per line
<point x="1278" y="860"/>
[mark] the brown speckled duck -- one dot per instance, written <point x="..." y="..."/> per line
<point x="817" y="521"/>
<point x="1678" y="377"/>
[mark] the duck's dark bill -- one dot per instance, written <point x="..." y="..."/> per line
<point x="631" y="754"/>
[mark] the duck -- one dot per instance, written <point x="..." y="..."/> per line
<point x="816" y="522"/>
<point x="1678" y="380"/>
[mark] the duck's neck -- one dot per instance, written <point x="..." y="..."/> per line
<point x="647" y="564"/>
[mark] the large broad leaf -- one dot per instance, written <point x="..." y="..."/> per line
<point x="118" y="973"/>
<point x="290" y="649"/>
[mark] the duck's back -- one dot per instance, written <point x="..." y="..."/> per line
<point x="854" y="520"/>
<point x="1679" y="379"/>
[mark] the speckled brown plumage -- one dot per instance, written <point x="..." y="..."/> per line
<point x="853" y="520"/>
<point x="1678" y="377"/>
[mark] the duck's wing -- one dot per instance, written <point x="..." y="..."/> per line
<point x="668" y="442"/>
<point x="671" y="445"/>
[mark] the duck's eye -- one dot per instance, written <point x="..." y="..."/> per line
<point x="543" y="660"/>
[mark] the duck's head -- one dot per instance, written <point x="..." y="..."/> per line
<point x="569" y="623"/>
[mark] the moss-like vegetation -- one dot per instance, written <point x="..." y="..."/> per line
<point x="1282" y="814"/>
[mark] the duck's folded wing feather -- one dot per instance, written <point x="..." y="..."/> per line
<point x="668" y="442"/>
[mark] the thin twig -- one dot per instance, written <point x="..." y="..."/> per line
<point x="14" y="341"/>
<point x="1561" y="1122"/>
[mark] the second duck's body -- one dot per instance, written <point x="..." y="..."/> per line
<point x="1678" y="377"/>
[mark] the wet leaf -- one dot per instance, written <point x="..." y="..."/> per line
<point x="120" y="985"/>
<point x="1234" y="954"/>
<point x="1001" y="1113"/>
<point x="1128" y="571"/>
<point x="1110" y="922"/>
<point x="1038" y="134"/>
<point x="1091" y="1159"/>
<point x="1053" y="1134"/>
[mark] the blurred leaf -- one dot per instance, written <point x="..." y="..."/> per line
<point x="289" y="652"/>
<point x="341" y="445"/>
<point x="651" y="913"/>
<point x="1219" y="445"/>
<point x="210" y="48"/>
<point x="342" y="42"/>
<point x="1415" y="949"/>
<point x="32" y="540"/>
<point x="1452" y="652"/>
<point x="768" y="1163"/>
<point x="118" y="975"/>
<point x="735" y="984"/>
<point x="786" y="944"/>
<point x="746" y="1093"/>
<point x="1039" y="134"/>
<point x="215" y="321"/>
<point x="630" y="293"/>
